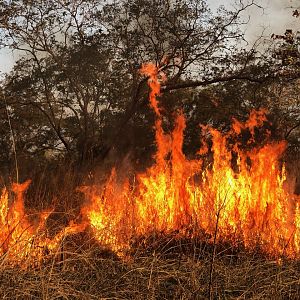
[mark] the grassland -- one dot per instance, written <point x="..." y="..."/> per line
<point x="158" y="267"/>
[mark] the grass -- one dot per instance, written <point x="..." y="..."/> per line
<point x="166" y="269"/>
<point x="157" y="266"/>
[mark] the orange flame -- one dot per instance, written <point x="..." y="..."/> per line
<point x="22" y="240"/>
<point x="239" y="197"/>
<point x="246" y="206"/>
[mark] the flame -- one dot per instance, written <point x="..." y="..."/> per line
<point x="23" y="237"/>
<point x="17" y="233"/>
<point x="238" y="197"/>
<point x="245" y="204"/>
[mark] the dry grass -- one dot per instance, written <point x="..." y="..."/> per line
<point x="158" y="267"/>
<point x="167" y="270"/>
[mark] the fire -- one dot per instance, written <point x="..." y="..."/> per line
<point x="246" y="204"/>
<point x="23" y="238"/>
<point x="238" y="196"/>
<point x="17" y="234"/>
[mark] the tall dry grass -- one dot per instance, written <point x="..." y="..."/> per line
<point x="166" y="269"/>
<point x="157" y="267"/>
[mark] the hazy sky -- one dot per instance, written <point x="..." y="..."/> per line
<point x="275" y="18"/>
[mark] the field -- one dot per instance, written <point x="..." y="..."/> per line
<point x="158" y="268"/>
<point x="182" y="229"/>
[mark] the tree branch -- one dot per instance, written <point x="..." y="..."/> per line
<point x="205" y="82"/>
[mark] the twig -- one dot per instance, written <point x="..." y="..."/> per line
<point x="13" y="142"/>
<point x="212" y="261"/>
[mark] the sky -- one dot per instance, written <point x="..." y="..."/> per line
<point x="275" y="18"/>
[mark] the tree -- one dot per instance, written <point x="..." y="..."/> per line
<point x="80" y="75"/>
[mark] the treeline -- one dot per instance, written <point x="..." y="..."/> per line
<point x="76" y="93"/>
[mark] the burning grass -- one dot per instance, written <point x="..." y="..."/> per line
<point x="183" y="229"/>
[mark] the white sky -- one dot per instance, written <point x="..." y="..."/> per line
<point x="275" y="18"/>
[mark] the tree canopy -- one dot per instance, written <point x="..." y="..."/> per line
<point x="77" y="92"/>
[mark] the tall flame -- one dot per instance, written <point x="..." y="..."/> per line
<point x="246" y="204"/>
<point x="238" y="197"/>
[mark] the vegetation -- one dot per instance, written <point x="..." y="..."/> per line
<point x="163" y="273"/>
<point x="75" y="105"/>
<point x="76" y="92"/>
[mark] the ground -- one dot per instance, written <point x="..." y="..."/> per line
<point x="155" y="268"/>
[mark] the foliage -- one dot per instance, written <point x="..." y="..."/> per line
<point x="77" y="92"/>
